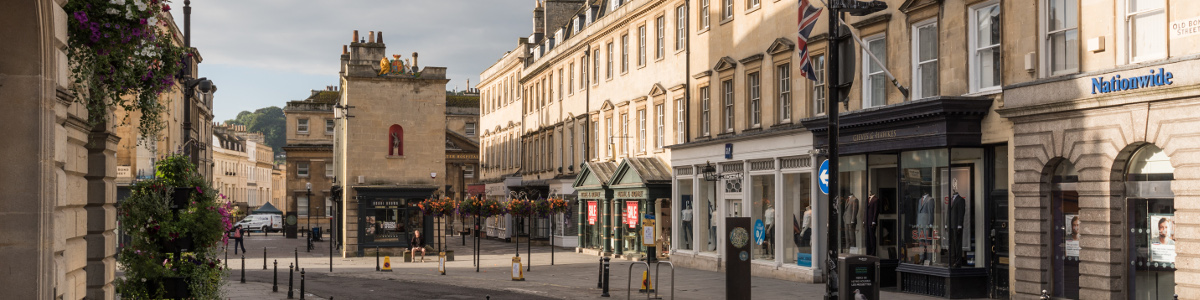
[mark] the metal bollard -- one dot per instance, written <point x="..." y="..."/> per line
<point x="264" y="258"/>
<point x="290" y="269"/>
<point x="297" y="253"/>
<point x="243" y="267"/>
<point x="604" y="292"/>
<point x="377" y="259"/>
<point x="600" y="273"/>
<point x="1045" y="296"/>
<point x="275" y="278"/>
<point x="301" y="284"/>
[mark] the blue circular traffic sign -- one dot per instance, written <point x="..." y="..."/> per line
<point x="823" y="177"/>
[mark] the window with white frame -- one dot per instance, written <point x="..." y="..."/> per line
<point x="470" y="128"/>
<point x="329" y="170"/>
<point x="609" y="66"/>
<point x="783" y="73"/>
<point x="469" y="171"/>
<point x="752" y="4"/>
<point x="658" y="122"/>
<point x="328" y="126"/>
<point x="302" y="126"/>
<point x="874" y="81"/>
<point x="1062" y="36"/>
<point x="704" y="14"/>
<point x="596" y="66"/>
<point x="984" y="39"/>
<point x="680" y="27"/>
<point x="560" y="84"/>
<point x="641" y="130"/>
<point x="727" y="100"/>
<point x="596" y="135"/>
<point x="302" y="169"/>
<point x="642" y="45"/>
<point x="925" y="59"/>
<point x="818" y="64"/>
<point x="705" y="113"/>
<point x="608" y="145"/>
<point x="660" y="25"/>
<point x="624" y="134"/>
<point x="624" y="53"/>
<point x="679" y="125"/>
<point x="582" y="72"/>
<point x="328" y="206"/>
<point x="571" y="78"/>
<point x="754" y="92"/>
<point x="1145" y="29"/>
<point x="726" y="9"/>
<point x="302" y="205"/>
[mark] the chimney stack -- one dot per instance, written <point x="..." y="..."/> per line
<point x="371" y="37"/>
<point x="415" y="65"/>
<point x="344" y="51"/>
<point x="380" y="39"/>
<point x="355" y="40"/>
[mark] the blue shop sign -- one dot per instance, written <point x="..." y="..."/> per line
<point x="1116" y="83"/>
<point x="728" y="151"/>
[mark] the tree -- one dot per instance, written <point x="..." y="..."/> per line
<point x="269" y="121"/>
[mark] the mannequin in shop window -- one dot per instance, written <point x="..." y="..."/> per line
<point x="686" y="217"/>
<point x="769" y="238"/>
<point x="805" y="229"/>
<point x="924" y="223"/>
<point x="957" y="215"/>
<point x="870" y="222"/>
<point x="850" y="219"/>
<point x="712" y="228"/>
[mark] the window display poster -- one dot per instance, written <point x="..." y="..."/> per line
<point x="591" y="212"/>
<point x="1072" y="235"/>
<point x="1162" y="238"/>
<point x="631" y="213"/>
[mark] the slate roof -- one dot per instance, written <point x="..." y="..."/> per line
<point x="651" y="169"/>
<point x="603" y="170"/>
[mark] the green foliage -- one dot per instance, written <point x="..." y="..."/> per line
<point x="121" y="56"/>
<point x="462" y="101"/>
<point x="269" y="121"/>
<point x="154" y="228"/>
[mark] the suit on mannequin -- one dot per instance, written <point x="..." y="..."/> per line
<point x="850" y="220"/>
<point x="957" y="214"/>
<point x="924" y="222"/>
<point x="871" y="219"/>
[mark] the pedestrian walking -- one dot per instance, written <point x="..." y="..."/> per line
<point x="238" y="239"/>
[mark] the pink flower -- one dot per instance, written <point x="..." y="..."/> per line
<point x="166" y="7"/>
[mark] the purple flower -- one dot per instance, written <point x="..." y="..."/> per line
<point x="81" y="16"/>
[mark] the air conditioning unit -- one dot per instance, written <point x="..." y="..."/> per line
<point x="362" y="179"/>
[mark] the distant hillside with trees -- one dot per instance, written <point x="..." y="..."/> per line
<point x="269" y="121"/>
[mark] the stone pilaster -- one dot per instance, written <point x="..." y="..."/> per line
<point x="101" y="212"/>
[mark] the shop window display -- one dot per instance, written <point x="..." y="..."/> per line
<point x="687" y="214"/>
<point x="762" y="197"/>
<point x="706" y="209"/>
<point x="880" y="208"/>
<point x="852" y="170"/>
<point x="797" y="239"/>
<point x="923" y="245"/>
<point x="1065" y="201"/>
<point x="1151" y="223"/>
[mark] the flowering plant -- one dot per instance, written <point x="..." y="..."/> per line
<point x="558" y="205"/>
<point x="122" y="55"/>
<point x="481" y="207"/>
<point x="157" y="232"/>
<point x="437" y="207"/>
<point x="520" y="207"/>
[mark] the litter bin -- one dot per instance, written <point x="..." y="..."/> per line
<point x="316" y="234"/>
<point x="858" y="277"/>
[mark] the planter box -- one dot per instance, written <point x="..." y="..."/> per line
<point x="172" y="288"/>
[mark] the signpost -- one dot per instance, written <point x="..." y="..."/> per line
<point x="737" y="263"/>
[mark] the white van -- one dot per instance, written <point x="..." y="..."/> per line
<point x="265" y="223"/>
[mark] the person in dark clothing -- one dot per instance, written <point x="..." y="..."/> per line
<point x="238" y="239"/>
<point x="418" y="245"/>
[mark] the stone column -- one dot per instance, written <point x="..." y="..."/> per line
<point x="101" y="212"/>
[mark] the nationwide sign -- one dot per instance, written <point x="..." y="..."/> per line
<point x="1116" y="83"/>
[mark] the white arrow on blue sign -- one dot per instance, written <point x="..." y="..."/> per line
<point x="823" y="177"/>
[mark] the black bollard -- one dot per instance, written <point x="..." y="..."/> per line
<point x="331" y="253"/>
<point x="376" y="258"/>
<point x="604" y="292"/>
<point x="243" y="267"/>
<point x="310" y="243"/>
<point x="297" y="253"/>
<point x="275" y="279"/>
<point x="264" y="258"/>
<point x="600" y="273"/>
<point x="290" y="269"/>
<point x="226" y="258"/>
<point x="301" y="284"/>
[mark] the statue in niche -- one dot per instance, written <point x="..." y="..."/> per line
<point x="395" y="150"/>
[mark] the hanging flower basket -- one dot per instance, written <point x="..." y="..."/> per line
<point x="558" y="205"/>
<point x="437" y="207"/>
<point x="520" y="207"/>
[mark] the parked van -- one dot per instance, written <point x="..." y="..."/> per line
<point x="265" y="223"/>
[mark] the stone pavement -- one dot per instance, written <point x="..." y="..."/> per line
<point x="573" y="275"/>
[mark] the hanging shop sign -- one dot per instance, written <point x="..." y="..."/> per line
<point x="631" y="213"/>
<point x="591" y="212"/>
<point x="1116" y="83"/>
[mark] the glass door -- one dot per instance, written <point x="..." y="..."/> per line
<point x="1152" y="245"/>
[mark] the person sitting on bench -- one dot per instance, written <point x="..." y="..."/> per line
<point x="418" y="245"/>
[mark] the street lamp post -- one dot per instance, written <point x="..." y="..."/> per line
<point x="308" y="213"/>
<point x="190" y="85"/>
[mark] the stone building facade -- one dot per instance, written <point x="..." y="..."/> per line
<point x="389" y="152"/>
<point x="240" y="172"/>
<point x="309" y="148"/>
<point x="1104" y="170"/>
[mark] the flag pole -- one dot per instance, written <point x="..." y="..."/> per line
<point x="875" y="60"/>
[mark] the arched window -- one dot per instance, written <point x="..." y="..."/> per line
<point x="1065" y="199"/>
<point x="396" y="140"/>
<point x="1151" y="210"/>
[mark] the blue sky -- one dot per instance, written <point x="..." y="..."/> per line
<point x="263" y="53"/>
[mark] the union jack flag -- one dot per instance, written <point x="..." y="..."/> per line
<point x="808" y="16"/>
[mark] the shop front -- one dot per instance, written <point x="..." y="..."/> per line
<point x="565" y="233"/>
<point x="498" y="226"/>
<point x="591" y="188"/>
<point x="641" y="196"/>
<point x="387" y="217"/>
<point x="919" y="189"/>
<point x="767" y="177"/>
<point x="1109" y="185"/>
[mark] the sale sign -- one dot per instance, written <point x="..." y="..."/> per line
<point x="631" y="213"/>
<point x="591" y="212"/>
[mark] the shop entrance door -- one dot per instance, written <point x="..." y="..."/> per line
<point x="1152" y="245"/>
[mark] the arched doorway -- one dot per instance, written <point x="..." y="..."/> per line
<point x="1151" y="212"/>
<point x="1064" y="199"/>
